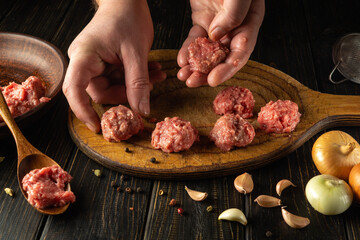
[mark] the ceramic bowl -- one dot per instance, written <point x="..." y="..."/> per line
<point x="22" y="56"/>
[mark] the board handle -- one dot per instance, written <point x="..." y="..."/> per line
<point x="335" y="110"/>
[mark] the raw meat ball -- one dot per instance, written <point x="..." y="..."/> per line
<point x="120" y="123"/>
<point x="205" y="54"/>
<point x="232" y="130"/>
<point x="235" y="100"/>
<point x="281" y="116"/>
<point x="174" y="135"/>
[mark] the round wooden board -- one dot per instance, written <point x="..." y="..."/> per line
<point x="204" y="160"/>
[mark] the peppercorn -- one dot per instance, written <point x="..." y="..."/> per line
<point x="209" y="208"/>
<point x="138" y="189"/>
<point x="268" y="234"/>
<point x="127" y="150"/>
<point x="180" y="211"/>
<point x="128" y="190"/>
<point x="172" y="202"/>
<point x="97" y="172"/>
<point x="161" y="192"/>
<point x="9" y="192"/>
<point x="153" y="160"/>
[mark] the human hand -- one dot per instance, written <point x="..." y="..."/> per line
<point x="235" y="23"/>
<point x="108" y="61"/>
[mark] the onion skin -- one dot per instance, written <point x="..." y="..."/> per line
<point x="328" y="195"/>
<point x="354" y="181"/>
<point x="335" y="153"/>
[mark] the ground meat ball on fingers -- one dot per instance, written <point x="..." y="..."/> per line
<point x="230" y="131"/>
<point x="205" y="54"/>
<point x="281" y="116"/>
<point x="120" y="123"/>
<point x="174" y="135"/>
<point x="235" y="100"/>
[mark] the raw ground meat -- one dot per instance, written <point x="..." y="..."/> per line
<point x="120" y="123"/>
<point x="281" y="116"/>
<point x="205" y="54"/>
<point x="24" y="97"/>
<point x="46" y="187"/>
<point x="232" y="130"/>
<point x="174" y="135"/>
<point x="235" y="100"/>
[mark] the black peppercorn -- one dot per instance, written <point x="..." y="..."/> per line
<point x="128" y="190"/>
<point x="153" y="160"/>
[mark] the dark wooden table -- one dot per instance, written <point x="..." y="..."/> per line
<point x="296" y="37"/>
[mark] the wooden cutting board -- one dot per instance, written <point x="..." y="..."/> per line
<point x="204" y="160"/>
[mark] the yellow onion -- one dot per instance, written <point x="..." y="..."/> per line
<point x="354" y="181"/>
<point x="335" y="153"/>
<point x="328" y="195"/>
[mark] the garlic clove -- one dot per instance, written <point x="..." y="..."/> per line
<point x="196" y="195"/>
<point x="233" y="214"/>
<point x="267" y="201"/>
<point x="244" y="183"/>
<point x="294" y="221"/>
<point x="282" y="184"/>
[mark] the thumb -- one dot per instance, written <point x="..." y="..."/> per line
<point x="228" y="18"/>
<point x="137" y="83"/>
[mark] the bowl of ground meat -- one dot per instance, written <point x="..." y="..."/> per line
<point x="31" y="74"/>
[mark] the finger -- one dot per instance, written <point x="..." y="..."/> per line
<point x="229" y="17"/>
<point x="224" y="71"/>
<point x="195" y="32"/>
<point x="196" y="80"/>
<point x="82" y="67"/>
<point x="154" y="66"/>
<point x="137" y="81"/>
<point x="241" y="46"/>
<point x="156" y="76"/>
<point x="184" y="73"/>
<point x="102" y="92"/>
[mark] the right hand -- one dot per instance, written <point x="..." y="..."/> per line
<point x="108" y="61"/>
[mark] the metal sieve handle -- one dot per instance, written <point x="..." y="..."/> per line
<point x="330" y="76"/>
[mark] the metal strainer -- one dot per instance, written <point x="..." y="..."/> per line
<point x="346" y="57"/>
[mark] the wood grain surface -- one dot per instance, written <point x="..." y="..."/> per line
<point x="172" y="98"/>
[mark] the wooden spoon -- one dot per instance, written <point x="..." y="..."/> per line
<point x="29" y="157"/>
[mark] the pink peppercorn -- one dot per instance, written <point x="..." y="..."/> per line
<point x="180" y="211"/>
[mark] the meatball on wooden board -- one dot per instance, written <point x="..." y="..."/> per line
<point x="203" y="160"/>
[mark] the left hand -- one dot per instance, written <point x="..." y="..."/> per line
<point x="235" y="23"/>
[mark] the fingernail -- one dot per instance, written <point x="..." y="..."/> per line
<point x="144" y="106"/>
<point x="217" y="33"/>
